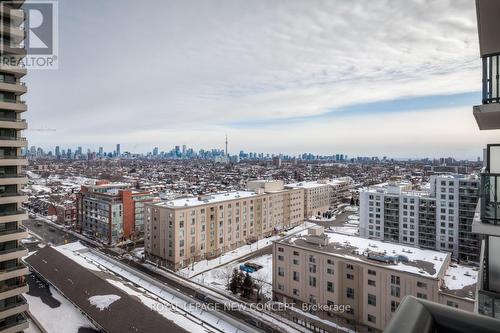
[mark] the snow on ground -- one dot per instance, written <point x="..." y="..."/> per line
<point x="103" y="301"/>
<point x="220" y="276"/>
<point x="138" y="253"/>
<point x="64" y="319"/>
<point x="206" y="265"/>
<point x="458" y="277"/>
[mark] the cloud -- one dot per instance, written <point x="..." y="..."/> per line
<point x="130" y="70"/>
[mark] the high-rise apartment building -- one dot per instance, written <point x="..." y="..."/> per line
<point x="324" y="194"/>
<point x="111" y="212"/>
<point x="487" y="219"/>
<point x="439" y="217"/>
<point x="317" y="270"/>
<point x="182" y="231"/>
<point x="12" y="271"/>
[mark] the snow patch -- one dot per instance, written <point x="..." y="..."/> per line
<point x="103" y="301"/>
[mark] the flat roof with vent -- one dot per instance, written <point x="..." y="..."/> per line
<point x="206" y="199"/>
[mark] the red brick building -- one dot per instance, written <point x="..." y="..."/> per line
<point x="111" y="212"/>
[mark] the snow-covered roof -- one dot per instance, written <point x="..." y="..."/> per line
<point x="460" y="280"/>
<point x="206" y="199"/>
<point x="428" y="263"/>
<point x="319" y="183"/>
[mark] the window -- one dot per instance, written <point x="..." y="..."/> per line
<point x="372" y="283"/>
<point x="280" y="249"/>
<point x="349" y="266"/>
<point x="423" y="296"/>
<point x="312" y="268"/>
<point x="312" y="259"/>
<point x="452" y="304"/>
<point x="372" y="300"/>
<point x="350" y="276"/>
<point x="295" y="276"/>
<point x="329" y="286"/>
<point x="281" y="271"/>
<point x="394" y="306"/>
<point x="312" y="281"/>
<point x="329" y="271"/>
<point x="372" y="272"/>
<point x="295" y="253"/>
<point x="395" y="280"/>
<point x="281" y="258"/>
<point x="296" y="292"/>
<point x="372" y="319"/>
<point x="422" y="285"/>
<point x="295" y="262"/>
<point x="395" y="291"/>
<point x="350" y="293"/>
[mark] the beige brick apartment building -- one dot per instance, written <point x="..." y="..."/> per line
<point x="324" y="194"/>
<point x="334" y="269"/>
<point x="181" y="231"/>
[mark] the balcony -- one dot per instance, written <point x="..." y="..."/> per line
<point x="16" y="34"/>
<point x="15" y="15"/>
<point x="14" y="253"/>
<point x="20" y="305"/>
<point x="17" y="88"/>
<point x="17" y="324"/>
<point x="13" y="234"/>
<point x="8" y="141"/>
<point x="12" y="197"/>
<point x="416" y="315"/>
<point x="12" y="104"/>
<point x="486" y="218"/>
<point x="12" y="272"/>
<point x="6" y="160"/>
<point x="488" y="114"/>
<point x="17" y="124"/>
<point x="14" y="290"/>
<point x="13" y="179"/>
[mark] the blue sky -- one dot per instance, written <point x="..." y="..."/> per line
<point x="385" y="77"/>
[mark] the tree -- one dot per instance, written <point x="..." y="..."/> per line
<point x="247" y="287"/>
<point x="235" y="282"/>
<point x="352" y="201"/>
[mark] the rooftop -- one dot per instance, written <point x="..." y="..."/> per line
<point x="427" y="263"/>
<point x="319" y="183"/>
<point x="206" y="199"/>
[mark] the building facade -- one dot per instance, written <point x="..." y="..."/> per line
<point x="437" y="218"/>
<point x="66" y="213"/>
<point x="323" y="195"/>
<point x="182" y="231"/>
<point x="12" y="270"/>
<point x="111" y="212"/>
<point x="370" y="277"/>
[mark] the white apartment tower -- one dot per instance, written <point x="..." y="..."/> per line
<point x="439" y="217"/>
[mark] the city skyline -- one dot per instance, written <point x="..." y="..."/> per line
<point x="273" y="77"/>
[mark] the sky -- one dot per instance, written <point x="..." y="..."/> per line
<point x="360" y="77"/>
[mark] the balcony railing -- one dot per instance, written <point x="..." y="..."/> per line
<point x="490" y="198"/>
<point x="491" y="82"/>
<point x="12" y="212"/>
<point x="18" y="320"/>
<point x="420" y="316"/>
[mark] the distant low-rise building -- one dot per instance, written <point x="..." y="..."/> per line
<point x="323" y="195"/>
<point x="111" y="212"/>
<point x="319" y="270"/>
<point x="182" y="231"/>
<point x="66" y="213"/>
